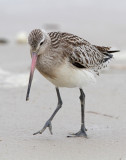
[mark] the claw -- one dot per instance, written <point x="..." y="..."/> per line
<point x="47" y="124"/>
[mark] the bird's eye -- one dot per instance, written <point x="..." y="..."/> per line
<point x="41" y="43"/>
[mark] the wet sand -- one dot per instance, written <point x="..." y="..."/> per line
<point x="105" y="114"/>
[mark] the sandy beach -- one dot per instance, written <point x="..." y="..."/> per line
<point x="99" y="22"/>
<point x="105" y="114"/>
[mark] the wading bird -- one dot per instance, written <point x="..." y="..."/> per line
<point x="66" y="60"/>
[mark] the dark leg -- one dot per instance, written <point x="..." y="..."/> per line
<point x="82" y="132"/>
<point x="48" y="123"/>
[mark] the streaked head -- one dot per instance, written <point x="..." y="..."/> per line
<point x="38" y="42"/>
<point x="36" y="39"/>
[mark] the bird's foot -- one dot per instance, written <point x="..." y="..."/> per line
<point x="47" y="124"/>
<point x="78" y="134"/>
<point x="81" y="133"/>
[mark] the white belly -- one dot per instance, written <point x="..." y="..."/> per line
<point x="69" y="76"/>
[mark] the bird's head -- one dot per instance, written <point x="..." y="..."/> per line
<point x="38" y="41"/>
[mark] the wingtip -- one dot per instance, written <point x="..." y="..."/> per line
<point x="113" y="51"/>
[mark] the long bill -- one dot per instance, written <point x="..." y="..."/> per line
<point x="33" y="64"/>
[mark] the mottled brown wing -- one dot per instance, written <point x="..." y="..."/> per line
<point x="80" y="51"/>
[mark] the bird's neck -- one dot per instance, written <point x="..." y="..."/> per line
<point x="46" y="64"/>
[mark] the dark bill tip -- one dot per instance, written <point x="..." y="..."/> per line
<point x="29" y="86"/>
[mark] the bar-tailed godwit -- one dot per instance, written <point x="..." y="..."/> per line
<point x="66" y="60"/>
